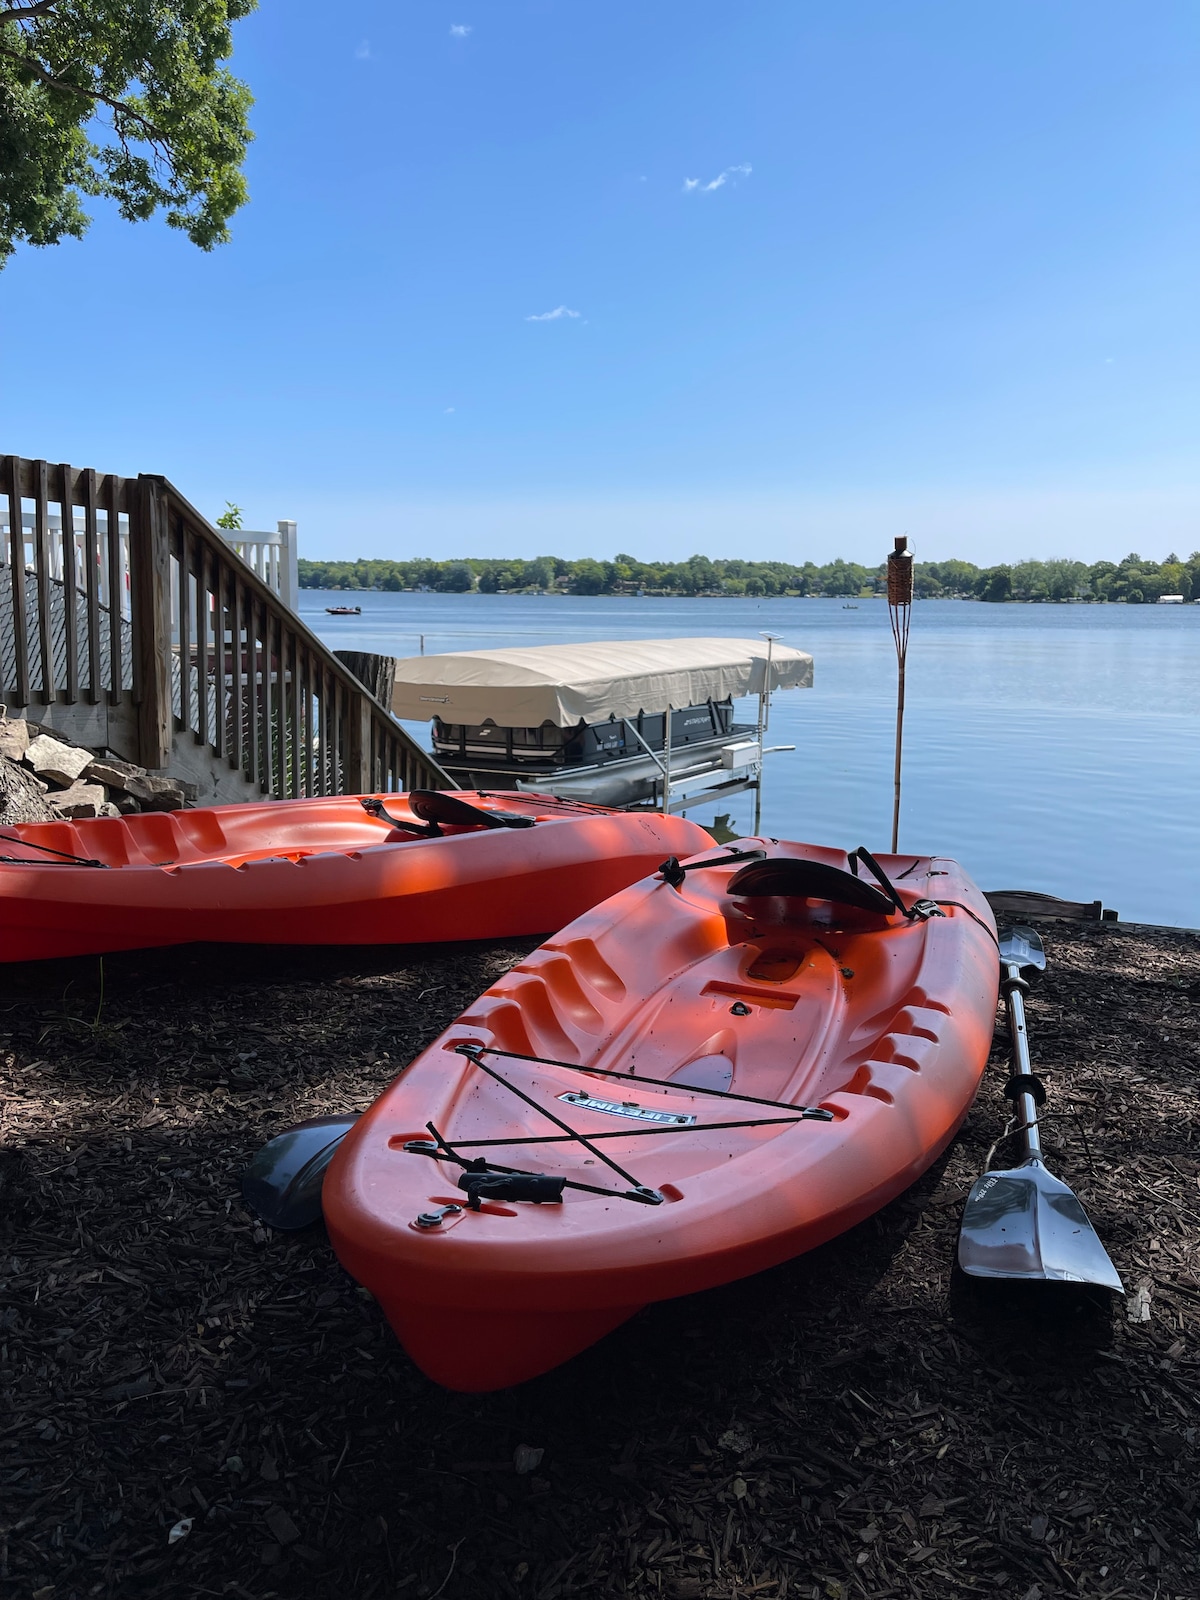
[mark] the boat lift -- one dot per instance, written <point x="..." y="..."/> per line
<point x="643" y="724"/>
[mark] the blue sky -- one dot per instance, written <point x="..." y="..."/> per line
<point x="947" y="286"/>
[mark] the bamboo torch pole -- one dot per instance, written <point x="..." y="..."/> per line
<point x="900" y="597"/>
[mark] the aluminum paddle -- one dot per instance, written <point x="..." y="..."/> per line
<point x="1023" y="1222"/>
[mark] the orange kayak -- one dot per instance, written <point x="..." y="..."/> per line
<point x="719" y="1068"/>
<point x="385" y="869"/>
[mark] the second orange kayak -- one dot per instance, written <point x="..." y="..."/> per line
<point x="722" y="1066"/>
<point x="384" y="869"/>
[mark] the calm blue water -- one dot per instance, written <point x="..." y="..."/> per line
<point x="1046" y="747"/>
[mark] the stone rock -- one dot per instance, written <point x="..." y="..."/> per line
<point x="15" y="737"/>
<point x="111" y="772"/>
<point x="156" y="794"/>
<point x="21" y="795"/>
<point x="80" y="800"/>
<point x="60" y="763"/>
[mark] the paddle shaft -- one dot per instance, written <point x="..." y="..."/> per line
<point x="1014" y="986"/>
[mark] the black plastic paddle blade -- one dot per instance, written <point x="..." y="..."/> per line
<point x="436" y="805"/>
<point x="283" y="1181"/>
<point x="811" y="880"/>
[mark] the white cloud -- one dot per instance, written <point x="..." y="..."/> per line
<point x="449" y="411"/>
<point x="363" y="50"/>
<point x="460" y="30"/>
<point x="553" y="316"/>
<point x="694" y="186"/>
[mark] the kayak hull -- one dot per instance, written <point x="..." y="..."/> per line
<point x="880" y="1021"/>
<point x="320" y="871"/>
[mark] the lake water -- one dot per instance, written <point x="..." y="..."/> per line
<point x="1046" y="747"/>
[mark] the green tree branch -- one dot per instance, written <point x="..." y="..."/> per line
<point x="158" y="66"/>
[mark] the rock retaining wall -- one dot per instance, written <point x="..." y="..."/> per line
<point x="44" y="778"/>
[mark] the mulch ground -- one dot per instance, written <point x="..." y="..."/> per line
<point x="861" y="1422"/>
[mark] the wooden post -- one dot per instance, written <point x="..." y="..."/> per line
<point x="18" y="690"/>
<point x="375" y="673"/>
<point x="150" y="596"/>
<point x="356" y="772"/>
<point x="900" y="599"/>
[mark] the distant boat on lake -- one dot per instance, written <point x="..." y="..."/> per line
<point x="344" y="611"/>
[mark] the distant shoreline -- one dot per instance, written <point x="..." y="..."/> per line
<point x="1134" y="581"/>
<point x="672" y="594"/>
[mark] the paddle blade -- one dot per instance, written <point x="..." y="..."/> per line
<point x="1022" y="947"/>
<point x="283" y="1181"/>
<point x="1025" y="1223"/>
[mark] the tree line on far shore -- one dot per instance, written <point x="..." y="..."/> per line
<point x="1134" y="580"/>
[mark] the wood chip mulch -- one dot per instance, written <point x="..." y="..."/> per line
<point x="861" y="1422"/>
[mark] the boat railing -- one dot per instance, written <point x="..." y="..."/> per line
<point x="140" y="631"/>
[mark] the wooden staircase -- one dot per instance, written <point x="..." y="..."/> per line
<point x="129" y="625"/>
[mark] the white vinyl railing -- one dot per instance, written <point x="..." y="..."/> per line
<point x="273" y="556"/>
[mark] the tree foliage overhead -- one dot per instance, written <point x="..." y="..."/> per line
<point x="123" y="99"/>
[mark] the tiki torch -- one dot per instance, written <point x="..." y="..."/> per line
<point x="900" y="598"/>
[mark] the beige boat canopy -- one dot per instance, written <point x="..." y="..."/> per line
<point x="567" y="684"/>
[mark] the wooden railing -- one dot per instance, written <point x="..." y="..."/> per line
<point x="120" y="594"/>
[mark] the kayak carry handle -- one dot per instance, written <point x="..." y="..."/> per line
<point x="539" y="1187"/>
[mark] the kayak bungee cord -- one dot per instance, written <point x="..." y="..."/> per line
<point x="515" y="1183"/>
<point x="471" y="1055"/>
<point x="805" y="1113"/>
<point x="635" y="1133"/>
<point x="672" y="871"/>
<point x="480" y="1169"/>
<point x="920" y="910"/>
<point x="67" y="860"/>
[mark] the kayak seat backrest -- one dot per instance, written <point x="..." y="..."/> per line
<point x="797" y="879"/>
<point x="436" y="805"/>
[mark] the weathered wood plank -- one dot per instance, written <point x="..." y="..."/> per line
<point x="70" y="578"/>
<point x="150" y="595"/>
<point x="91" y="562"/>
<point x="238" y="685"/>
<point x="183" y="624"/>
<point x="116" y="585"/>
<point x="219" y="738"/>
<point x="18" y="691"/>
<point x="41" y="545"/>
